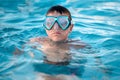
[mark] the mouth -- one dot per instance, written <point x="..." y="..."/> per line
<point x="56" y="33"/>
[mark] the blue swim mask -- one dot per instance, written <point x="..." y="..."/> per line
<point x="63" y="22"/>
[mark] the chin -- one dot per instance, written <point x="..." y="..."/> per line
<point x="57" y="40"/>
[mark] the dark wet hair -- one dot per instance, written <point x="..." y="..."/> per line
<point x="59" y="9"/>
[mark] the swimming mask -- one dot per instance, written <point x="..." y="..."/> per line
<point x="63" y="22"/>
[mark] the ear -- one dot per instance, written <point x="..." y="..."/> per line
<point x="71" y="27"/>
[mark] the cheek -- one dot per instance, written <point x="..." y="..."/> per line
<point x="65" y="34"/>
<point x="48" y="32"/>
<point x="67" y="31"/>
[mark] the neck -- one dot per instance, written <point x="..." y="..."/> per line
<point x="59" y="42"/>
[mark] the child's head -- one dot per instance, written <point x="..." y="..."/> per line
<point x="59" y="9"/>
<point x="58" y="23"/>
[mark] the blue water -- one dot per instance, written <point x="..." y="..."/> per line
<point x="96" y="22"/>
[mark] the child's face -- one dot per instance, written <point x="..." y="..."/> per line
<point x="56" y="33"/>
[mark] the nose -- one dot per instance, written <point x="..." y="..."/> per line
<point x="56" y="26"/>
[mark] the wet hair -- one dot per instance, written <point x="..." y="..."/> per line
<point x="59" y="9"/>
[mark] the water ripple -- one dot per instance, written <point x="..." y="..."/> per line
<point x="95" y="22"/>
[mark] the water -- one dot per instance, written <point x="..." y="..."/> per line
<point x="95" y="23"/>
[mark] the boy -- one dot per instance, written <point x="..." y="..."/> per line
<point x="56" y="47"/>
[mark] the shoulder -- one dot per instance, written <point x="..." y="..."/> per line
<point x="38" y="39"/>
<point x="77" y="43"/>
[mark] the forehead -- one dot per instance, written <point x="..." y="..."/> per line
<point x="55" y="13"/>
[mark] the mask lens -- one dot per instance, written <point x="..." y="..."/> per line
<point x="63" y="22"/>
<point x="49" y="22"/>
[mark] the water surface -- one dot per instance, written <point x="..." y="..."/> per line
<point x="96" y="23"/>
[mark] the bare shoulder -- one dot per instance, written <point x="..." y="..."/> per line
<point x="38" y="39"/>
<point x="77" y="43"/>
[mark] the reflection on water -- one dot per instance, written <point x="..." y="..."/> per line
<point x="95" y="23"/>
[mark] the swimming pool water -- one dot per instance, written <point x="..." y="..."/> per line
<point x="96" y="22"/>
